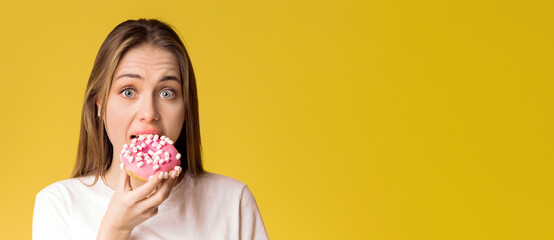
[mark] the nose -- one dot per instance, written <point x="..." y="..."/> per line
<point x="147" y="109"/>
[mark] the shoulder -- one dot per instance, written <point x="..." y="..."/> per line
<point x="65" y="188"/>
<point x="216" y="183"/>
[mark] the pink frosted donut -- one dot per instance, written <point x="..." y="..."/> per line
<point x="149" y="154"/>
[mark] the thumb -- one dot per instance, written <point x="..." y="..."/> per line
<point x="124" y="180"/>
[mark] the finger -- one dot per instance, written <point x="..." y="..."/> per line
<point x="161" y="194"/>
<point x="146" y="189"/>
<point x="124" y="181"/>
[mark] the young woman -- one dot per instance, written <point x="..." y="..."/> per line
<point x="142" y="82"/>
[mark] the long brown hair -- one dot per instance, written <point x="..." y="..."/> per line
<point x="95" y="152"/>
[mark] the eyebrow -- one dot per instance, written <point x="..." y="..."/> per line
<point x="165" y="78"/>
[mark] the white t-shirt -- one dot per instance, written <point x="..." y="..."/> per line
<point x="211" y="206"/>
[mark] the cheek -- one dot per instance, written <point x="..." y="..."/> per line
<point x="116" y="118"/>
<point x="175" y="122"/>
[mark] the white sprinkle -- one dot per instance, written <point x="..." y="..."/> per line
<point x="158" y="152"/>
<point x="131" y="159"/>
<point x="143" y="145"/>
<point x="149" y="135"/>
<point x="132" y="145"/>
<point x="127" y="155"/>
<point x="162" y="142"/>
<point x="140" y="164"/>
<point x="154" y="144"/>
<point x="139" y="147"/>
<point x="170" y="142"/>
<point x="121" y="165"/>
<point x="122" y="151"/>
<point x="148" y="141"/>
<point x="128" y="152"/>
<point x="156" y="137"/>
<point x="162" y="138"/>
<point x="139" y="154"/>
<point x="138" y="159"/>
<point x="156" y="158"/>
<point x="178" y="156"/>
<point x="166" y="154"/>
<point x="134" y="140"/>
<point x="149" y="161"/>
<point x="155" y="167"/>
<point x="134" y="149"/>
<point x="125" y="145"/>
<point x="159" y="146"/>
<point x="151" y="152"/>
<point x="141" y="137"/>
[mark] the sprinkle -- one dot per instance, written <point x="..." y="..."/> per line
<point x="154" y="144"/>
<point x="149" y="135"/>
<point x="131" y="159"/>
<point x="166" y="154"/>
<point x="159" y="146"/>
<point x="162" y="142"/>
<point x="139" y="147"/>
<point x="132" y="145"/>
<point x="162" y="138"/>
<point x="178" y="156"/>
<point x="155" y="167"/>
<point x="151" y="152"/>
<point x="169" y="141"/>
<point x="134" y="149"/>
<point x="139" y="154"/>
<point x="143" y="145"/>
<point x="141" y="137"/>
<point x="127" y="155"/>
<point x="138" y="159"/>
<point x="149" y="161"/>
<point x="156" y="137"/>
<point x="127" y="152"/>
<point x="140" y="164"/>
<point x="148" y="141"/>
<point x="122" y="151"/>
<point x="125" y="145"/>
<point x="134" y="140"/>
<point x="158" y="152"/>
<point x="156" y="158"/>
<point x="121" y="165"/>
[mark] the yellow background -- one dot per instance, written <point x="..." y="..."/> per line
<point x="347" y="119"/>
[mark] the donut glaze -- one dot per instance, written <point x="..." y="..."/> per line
<point x="148" y="155"/>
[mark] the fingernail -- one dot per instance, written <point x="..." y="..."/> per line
<point x="173" y="174"/>
<point x="166" y="175"/>
<point x="150" y="178"/>
<point x="160" y="175"/>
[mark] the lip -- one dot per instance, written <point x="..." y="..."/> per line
<point x="145" y="131"/>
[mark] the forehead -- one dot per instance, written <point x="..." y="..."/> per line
<point x="146" y="57"/>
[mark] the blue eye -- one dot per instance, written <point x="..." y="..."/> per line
<point x="167" y="94"/>
<point x="128" y="92"/>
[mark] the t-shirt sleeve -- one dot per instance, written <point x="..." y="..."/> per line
<point x="50" y="218"/>
<point x="251" y="223"/>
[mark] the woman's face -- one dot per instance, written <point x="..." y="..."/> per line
<point x="145" y="97"/>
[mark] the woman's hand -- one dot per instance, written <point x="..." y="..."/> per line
<point x="130" y="207"/>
